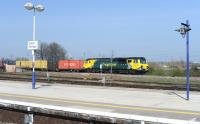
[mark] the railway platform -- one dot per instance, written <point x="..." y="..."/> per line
<point x="104" y="104"/>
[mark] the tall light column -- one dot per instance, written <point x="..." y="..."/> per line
<point x="188" y="62"/>
<point x="33" y="45"/>
<point x="184" y="30"/>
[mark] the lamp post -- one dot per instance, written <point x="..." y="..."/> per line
<point x="184" y="30"/>
<point x="33" y="45"/>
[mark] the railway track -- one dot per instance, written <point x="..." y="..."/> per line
<point x="96" y="81"/>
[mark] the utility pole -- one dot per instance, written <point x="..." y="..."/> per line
<point x="184" y="30"/>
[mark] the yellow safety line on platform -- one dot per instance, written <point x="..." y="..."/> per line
<point x="101" y="105"/>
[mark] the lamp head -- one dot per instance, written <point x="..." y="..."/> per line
<point x="39" y="8"/>
<point x="29" y="6"/>
<point x="182" y="31"/>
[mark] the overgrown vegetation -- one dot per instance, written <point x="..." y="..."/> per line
<point x="173" y="69"/>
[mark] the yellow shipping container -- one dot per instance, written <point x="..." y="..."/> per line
<point x="17" y="64"/>
<point x="39" y="64"/>
<point x="22" y="64"/>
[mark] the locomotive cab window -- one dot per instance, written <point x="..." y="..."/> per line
<point x="142" y="61"/>
<point x="129" y="61"/>
<point x="135" y="60"/>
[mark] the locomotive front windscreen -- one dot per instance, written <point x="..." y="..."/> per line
<point x="143" y="61"/>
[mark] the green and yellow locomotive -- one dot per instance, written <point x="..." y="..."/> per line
<point x="118" y="65"/>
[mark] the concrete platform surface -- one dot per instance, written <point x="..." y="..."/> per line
<point x="155" y="103"/>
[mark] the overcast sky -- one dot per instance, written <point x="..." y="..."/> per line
<point x="96" y="27"/>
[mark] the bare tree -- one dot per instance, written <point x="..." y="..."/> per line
<point x="41" y="52"/>
<point x="21" y="59"/>
<point x="52" y="52"/>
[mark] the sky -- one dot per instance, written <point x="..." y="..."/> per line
<point x="95" y="28"/>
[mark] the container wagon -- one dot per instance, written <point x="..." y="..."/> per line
<point x="70" y="65"/>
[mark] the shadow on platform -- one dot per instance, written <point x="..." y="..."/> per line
<point x="43" y="85"/>
<point x="174" y="93"/>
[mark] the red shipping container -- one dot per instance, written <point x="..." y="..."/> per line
<point x="70" y="65"/>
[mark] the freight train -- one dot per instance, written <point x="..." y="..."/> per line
<point x="117" y="65"/>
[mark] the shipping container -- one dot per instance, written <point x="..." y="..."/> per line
<point x="10" y="68"/>
<point x="22" y="64"/>
<point x="73" y="65"/>
<point x="39" y="64"/>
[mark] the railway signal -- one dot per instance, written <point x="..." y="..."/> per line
<point x="184" y="30"/>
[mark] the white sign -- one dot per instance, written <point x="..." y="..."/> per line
<point x="32" y="45"/>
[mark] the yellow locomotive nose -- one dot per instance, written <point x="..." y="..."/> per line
<point x="145" y="67"/>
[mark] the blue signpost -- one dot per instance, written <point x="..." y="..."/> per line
<point x="184" y="30"/>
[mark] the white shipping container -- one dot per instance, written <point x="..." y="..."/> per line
<point x="10" y="68"/>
